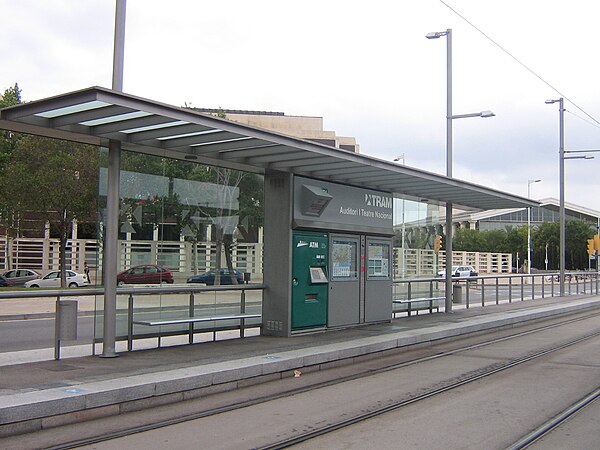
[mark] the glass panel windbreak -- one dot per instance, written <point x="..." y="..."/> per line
<point x="182" y="223"/>
<point x="344" y="259"/>
<point x="416" y="225"/>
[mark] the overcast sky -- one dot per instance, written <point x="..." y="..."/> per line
<point x="365" y="67"/>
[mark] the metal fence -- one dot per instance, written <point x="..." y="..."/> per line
<point x="492" y="289"/>
<point x="154" y="312"/>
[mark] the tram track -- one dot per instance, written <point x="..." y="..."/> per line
<point x="555" y="422"/>
<point x="469" y="378"/>
<point x="395" y="406"/>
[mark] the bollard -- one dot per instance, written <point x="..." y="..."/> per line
<point x="65" y="323"/>
<point x="457" y="293"/>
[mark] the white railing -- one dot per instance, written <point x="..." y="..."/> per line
<point x="43" y="255"/>
<point x="187" y="258"/>
<point x="410" y="262"/>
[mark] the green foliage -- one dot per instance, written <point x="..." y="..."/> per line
<point x="57" y="180"/>
<point x="577" y="234"/>
<point x="547" y="235"/>
<point x="8" y="139"/>
<point x="516" y="240"/>
<point x="52" y="181"/>
<point x="465" y="239"/>
<point x="11" y="97"/>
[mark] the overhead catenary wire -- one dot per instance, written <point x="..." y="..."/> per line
<point x="583" y="119"/>
<point x="522" y="64"/>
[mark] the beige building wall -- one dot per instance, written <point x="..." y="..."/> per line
<point x="303" y="127"/>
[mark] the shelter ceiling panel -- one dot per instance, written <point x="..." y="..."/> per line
<point x="97" y="115"/>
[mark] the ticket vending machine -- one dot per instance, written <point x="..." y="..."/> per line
<point x="310" y="280"/>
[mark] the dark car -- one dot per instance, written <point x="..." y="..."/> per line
<point x="227" y="277"/>
<point x="21" y="276"/>
<point x="4" y="282"/>
<point x="145" y="274"/>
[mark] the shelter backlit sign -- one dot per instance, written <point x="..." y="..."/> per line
<point x="320" y="204"/>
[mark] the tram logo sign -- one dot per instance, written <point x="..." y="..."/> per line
<point x="378" y="201"/>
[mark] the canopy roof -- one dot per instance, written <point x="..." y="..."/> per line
<point x="97" y="115"/>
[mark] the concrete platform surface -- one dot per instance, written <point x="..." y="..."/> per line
<point x="43" y="394"/>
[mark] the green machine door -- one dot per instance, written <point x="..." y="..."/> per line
<point x="309" y="279"/>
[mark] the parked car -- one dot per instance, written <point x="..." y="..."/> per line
<point x="145" y="274"/>
<point x="52" y="279"/>
<point x="19" y="277"/>
<point x="460" y="271"/>
<point x="208" y="278"/>
<point x="4" y="282"/>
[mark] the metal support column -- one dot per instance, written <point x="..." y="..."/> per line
<point x="111" y="253"/>
<point x="111" y="241"/>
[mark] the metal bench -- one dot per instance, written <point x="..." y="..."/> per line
<point x="416" y="305"/>
<point x="159" y="322"/>
<point x="190" y="321"/>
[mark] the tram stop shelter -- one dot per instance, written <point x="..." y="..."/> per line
<point x="334" y="204"/>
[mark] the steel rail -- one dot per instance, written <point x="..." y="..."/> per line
<point x="555" y="422"/>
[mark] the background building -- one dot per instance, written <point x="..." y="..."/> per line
<point x="303" y="127"/>
<point x="499" y="219"/>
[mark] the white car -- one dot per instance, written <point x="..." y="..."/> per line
<point x="52" y="279"/>
<point x="460" y="271"/>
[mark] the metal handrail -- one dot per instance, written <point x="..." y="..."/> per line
<point x="128" y="291"/>
<point x="494" y="276"/>
<point x="546" y="278"/>
<point x="78" y="292"/>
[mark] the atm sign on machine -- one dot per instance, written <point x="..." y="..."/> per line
<point x="311" y="244"/>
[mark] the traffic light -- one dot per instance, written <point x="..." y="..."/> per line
<point x="437" y="243"/>
<point x="591" y="247"/>
<point x="597" y="243"/>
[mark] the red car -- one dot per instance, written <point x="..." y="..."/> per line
<point x="145" y="274"/>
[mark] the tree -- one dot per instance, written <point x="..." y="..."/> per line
<point x="8" y="141"/>
<point x="465" y="239"/>
<point x="11" y="97"/>
<point x="57" y="181"/>
<point x="577" y="233"/>
<point x="516" y="242"/>
<point x="546" y="236"/>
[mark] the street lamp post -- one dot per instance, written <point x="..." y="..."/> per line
<point x="529" y="183"/>
<point x="449" y="118"/>
<point x="112" y="199"/>
<point x="561" y="187"/>
<point x="561" y="184"/>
